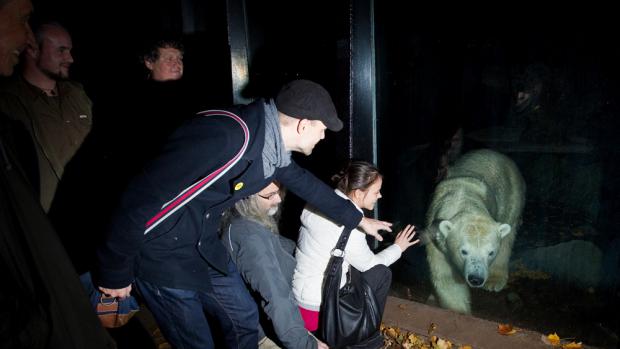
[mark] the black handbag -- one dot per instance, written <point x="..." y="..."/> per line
<point x="350" y="316"/>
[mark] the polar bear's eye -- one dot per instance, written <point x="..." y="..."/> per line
<point x="491" y="253"/>
<point x="464" y="252"/>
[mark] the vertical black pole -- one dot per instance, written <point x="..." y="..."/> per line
<point x="239" y="48"/>
<point x="362" y="82"/>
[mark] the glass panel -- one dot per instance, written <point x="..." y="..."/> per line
<point x="545" y="101"/>
<point x="293" y="40"/>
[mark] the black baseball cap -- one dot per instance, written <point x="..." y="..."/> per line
<point x="305" y="99"/>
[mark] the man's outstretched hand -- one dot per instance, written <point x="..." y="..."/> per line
<point x="372" y="227"/>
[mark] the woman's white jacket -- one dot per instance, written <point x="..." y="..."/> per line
<point x="317" y="237"/>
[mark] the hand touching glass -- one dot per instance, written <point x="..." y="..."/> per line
<point x="403" y="239"/>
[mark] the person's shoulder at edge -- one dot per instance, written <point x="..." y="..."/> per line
<point x="15" y="99"/>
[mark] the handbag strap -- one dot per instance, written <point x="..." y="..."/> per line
<point x="337" y="253"/>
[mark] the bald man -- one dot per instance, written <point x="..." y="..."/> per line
<point x="55" y="110"/>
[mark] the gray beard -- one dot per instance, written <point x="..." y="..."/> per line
<point x="272" y="211"/>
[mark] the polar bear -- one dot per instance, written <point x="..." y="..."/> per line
<point x="471" y="225"/>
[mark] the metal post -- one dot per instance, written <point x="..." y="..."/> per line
<point x="362" y="83"/>
<point x="239" y="48"/>
<point x="363" y="118"/>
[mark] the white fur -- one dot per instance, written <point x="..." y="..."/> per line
<point x="472" y="223"/>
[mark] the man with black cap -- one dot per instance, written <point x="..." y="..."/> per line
<point x="164" y="236"/>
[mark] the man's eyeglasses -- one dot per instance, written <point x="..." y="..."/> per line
<point x="269" y="196"/>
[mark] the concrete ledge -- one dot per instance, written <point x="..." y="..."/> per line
<point x="457" y="328"/>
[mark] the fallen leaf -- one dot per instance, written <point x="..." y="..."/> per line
<point x="443" y="344"/>
<point x="572" y="345"/>
<point x="431" y="328"/>
<point x="506" y="329"/>
<point x="414" y="340"/>
<point x="402" y="306"/>
<point x="554" y="339"/>
<point x="551" y="339"/>
<point x="391" y="332"/>
<point x="465" y="347"/>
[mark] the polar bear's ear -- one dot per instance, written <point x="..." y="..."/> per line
<point x="504" y="230"/>
<point x="445" y="227"/>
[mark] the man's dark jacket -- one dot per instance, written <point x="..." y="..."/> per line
<point x="179" y="251"/>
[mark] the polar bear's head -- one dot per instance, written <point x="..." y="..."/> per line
<point x="472" y="244"/>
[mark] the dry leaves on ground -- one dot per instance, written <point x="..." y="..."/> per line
<point x="555" y="341"/>
<point x="506" y="329"/>
<point x="394" y="338"/>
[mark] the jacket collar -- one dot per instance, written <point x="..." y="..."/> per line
<point x="344" y="196"/>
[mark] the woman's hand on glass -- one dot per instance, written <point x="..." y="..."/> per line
<point x="403" y="239"/>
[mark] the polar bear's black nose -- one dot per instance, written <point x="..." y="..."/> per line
<point x="475" y="280"/>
